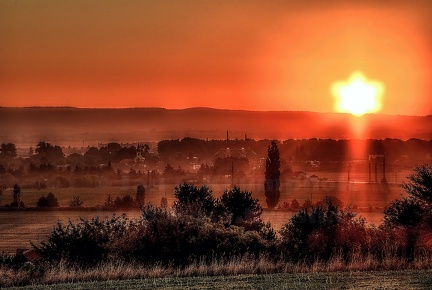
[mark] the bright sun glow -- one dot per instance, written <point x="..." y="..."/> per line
<point x="358" y="96"/>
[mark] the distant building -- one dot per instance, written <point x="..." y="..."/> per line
<point x="236" y="152"/>
<point x="139" y="158"/>
<point x="299" y="175"/>
<point x="314" y="178"/>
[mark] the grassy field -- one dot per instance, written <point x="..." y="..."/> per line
<point x="414" y="279"/>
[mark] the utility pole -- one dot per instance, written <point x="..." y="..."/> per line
<point x="232" y="173"/>
<point x="384" y="179"/>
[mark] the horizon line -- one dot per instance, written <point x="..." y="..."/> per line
<point x="199" y="107"/>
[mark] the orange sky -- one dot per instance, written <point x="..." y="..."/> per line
<point x="258" y="55"/>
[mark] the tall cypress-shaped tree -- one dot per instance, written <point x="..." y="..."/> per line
<point x="272" y="176"/>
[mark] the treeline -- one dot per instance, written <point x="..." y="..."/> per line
<point x="192" y="159"/>
<point x="47" y="166"/>
<point x="51" y="201"/>
<point x="304" y="149"/>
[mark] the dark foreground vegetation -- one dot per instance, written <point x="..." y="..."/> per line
<point x="201" y="235"/>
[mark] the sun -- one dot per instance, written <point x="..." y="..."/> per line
<point x="358" y="96"/>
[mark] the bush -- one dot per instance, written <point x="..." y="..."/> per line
<point x="124" y="202"/>
<point x="241" y="206"/>
<point x="85" y="243"/>
<point x="49" y="201"/>
<point x="321" y="232"/>
<point x="194" y="201"/>
<point x="159" y="236"/>
<point x="76" y="201"/>
<point x="179" y="240"/>
<point x="244" y="211"/>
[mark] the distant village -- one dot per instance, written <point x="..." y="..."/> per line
<point x="203" y="161"/>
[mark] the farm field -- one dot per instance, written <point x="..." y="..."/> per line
<point x="330" y="280"/>
<point x="358" y="194"/>
<point x="18" y="228"/>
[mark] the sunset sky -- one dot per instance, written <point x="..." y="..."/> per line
<point x="252" y="55"/>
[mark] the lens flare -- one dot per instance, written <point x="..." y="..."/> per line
<point x="357" y="96"/>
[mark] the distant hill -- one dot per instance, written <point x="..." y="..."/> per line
<point x="64" y="125"/>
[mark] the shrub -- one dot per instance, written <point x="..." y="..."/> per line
<point x="322" y="231"/>
<point x="193" y="200"/>
<point x="49" y="201"/>
<point x="85" y="243"/>
<point x="76" y="201"/>
<point x="240" y="204"/>
<point x="179" y="240"/>
<point x="124" y="202"/>
<point x="244" y="211"/>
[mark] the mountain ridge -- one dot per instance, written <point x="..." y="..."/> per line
<point x="201" y="108"/>
<point x="70" y="124"/>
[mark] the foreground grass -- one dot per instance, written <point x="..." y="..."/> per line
<point x="410" y="279"/>
<point x="235" y="273"/>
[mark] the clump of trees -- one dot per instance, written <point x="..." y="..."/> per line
<point x="49" y="201"/>
<point x="412" y="215"/>
<point x="127" y="201"/>
<point x="8" y="150"/>
<point x="199" y="227"/>
<point x="16" y="195"/>
<point x="318" y="232"/>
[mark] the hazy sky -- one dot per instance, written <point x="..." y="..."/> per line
<point x="259" y="55"/>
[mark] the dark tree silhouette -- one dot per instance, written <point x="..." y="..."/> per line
<point x="317" y="231"/>
<point x="241" y="205"/>
<point x="8" y="150"/>
<point x="164" y="203"/>
<point x="17" y="197"/>
<point x="169" y="170"/>
<point x="413" y="213"/>
<point x="49" y="153"/>
<point x="140" y="195"/>
<point x="124" y="202"/>
<point x="49" y="201"/>
<point x="16" y="194"/>
<point x="272" y="176"/>
<point x="193" y="200"/>
<point x="416" y="209"/>
<point x="76" y="201"/>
